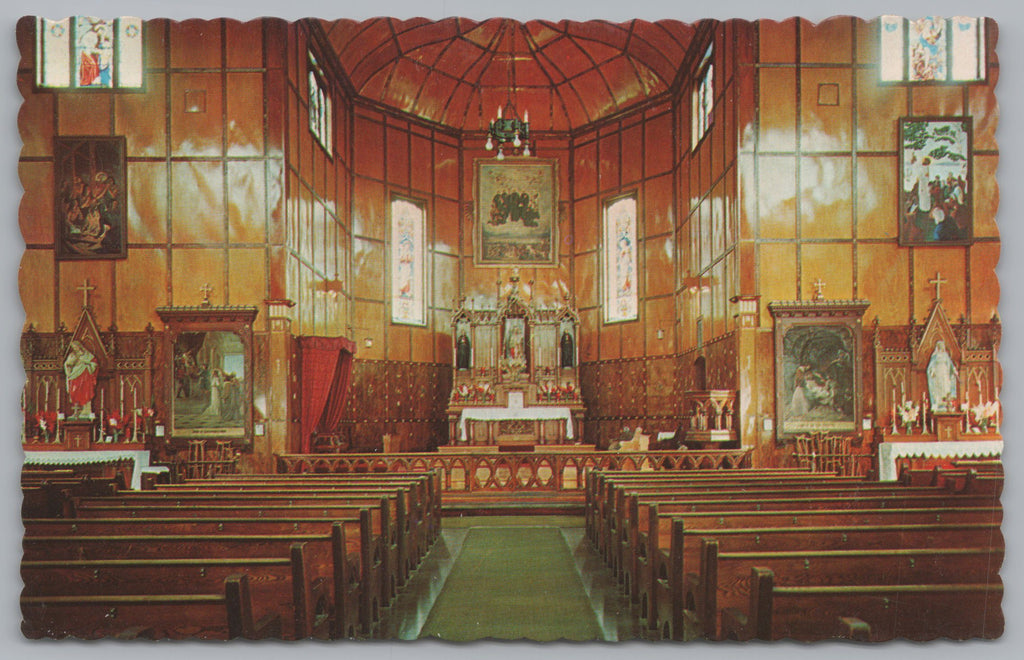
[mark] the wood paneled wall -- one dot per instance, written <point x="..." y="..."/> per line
<point x="205" y="191"/>
<point x="819" y="182"/>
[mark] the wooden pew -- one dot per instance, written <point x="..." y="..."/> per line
<point x="723" y="578"/>
<point x="281" y="587"/>
<point x="383" y="531"/>
<point x="320" y="570"/>
<point x="433" y="483"/>
<point x="224" y="615"/>
<point x="46" y="497"/>
<point x="918" y="612"/>
<point x="410" y="533"/>
<point x="370" y="548"/>
<point x="614" y="534"/>
<point x="423" y="494"/>
<point x="650" y="534"/>
<point x="353" y="612"/>
<point x="667" y="586"/>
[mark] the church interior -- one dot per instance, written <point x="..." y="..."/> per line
<point x="388" y="297"/>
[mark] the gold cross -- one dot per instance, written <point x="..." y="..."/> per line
<point x="85" y="289"/>
<point x="818" y="286"/>
<point x="206" y="289"/>
<point x="938" y="281"/>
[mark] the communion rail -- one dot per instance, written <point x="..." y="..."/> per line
<point x="513" y="471"/>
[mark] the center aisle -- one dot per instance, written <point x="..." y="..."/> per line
<point x="513" y="582"/>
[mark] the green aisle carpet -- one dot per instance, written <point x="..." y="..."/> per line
<point x="513" y="583"/>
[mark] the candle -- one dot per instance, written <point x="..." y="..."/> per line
<point x="526" y="117"/>
<point x="101" y="406"/>
<point x="499" y="112"/>
<point x="46" y="395"/>
<point x="121" y="402"/>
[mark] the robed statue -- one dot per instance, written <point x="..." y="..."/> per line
<point x="568" y="351"/>
<point x="942" y="379"/>
<point x="80" y="374"/>
<point x="463" y="352"/>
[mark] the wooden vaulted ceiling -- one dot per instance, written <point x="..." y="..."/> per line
<point x="456" y="71"/>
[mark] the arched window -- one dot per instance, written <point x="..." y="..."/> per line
<point x="408" y="274"/>
<point x="319" y="105"/>
<point x="620" y="262"/>
<point x="703" y="98"/>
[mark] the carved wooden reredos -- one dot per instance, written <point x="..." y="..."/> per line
<point x="516" y="347"/>
<point x="124" y="367"/>
<point x="901" y="356"/>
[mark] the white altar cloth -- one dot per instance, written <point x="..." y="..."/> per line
<point x="890" y="452"/>
<point x="537" y="412"/>
<point x="140" y="460"/>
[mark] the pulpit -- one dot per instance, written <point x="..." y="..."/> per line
<point x="516" y="380"/>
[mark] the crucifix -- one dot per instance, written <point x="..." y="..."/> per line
<point x="818" y="286"/>
<point x="938" y="282"/>
<point x="85" y="289"/>
<point x="206" y="289"/>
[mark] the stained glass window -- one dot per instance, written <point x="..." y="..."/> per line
<point x="82" y="52"/>
<point x="408" y="298"/>
<point x="703" y="98"/>
<point x="620" y="268"/>
<point x="932" y="49"/>
<point x="319" y="105"/>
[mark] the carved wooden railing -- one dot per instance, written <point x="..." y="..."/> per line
<point x="513" y="471"/>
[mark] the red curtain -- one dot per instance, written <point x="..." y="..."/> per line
<point x="338" y="395"/>
<point x="320" y="358"/>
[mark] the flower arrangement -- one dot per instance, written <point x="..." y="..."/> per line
<point x="985" y="414"/>
<point x="117" y="425"/>
<point x="47" y="423"/>
<point x="908" y="412"/>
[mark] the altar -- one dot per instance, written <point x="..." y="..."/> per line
<point x="516" y="373"/>
<point x="138" y="459"/>
<point x="889" y="453"/>
<point x="548" y="425"/>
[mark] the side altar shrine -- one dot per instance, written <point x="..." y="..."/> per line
<point x="516" y="378"/>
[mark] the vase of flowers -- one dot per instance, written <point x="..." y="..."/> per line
<point x="985" y="415"/>
<point x="116" y="424"/>
<point x="908" y="413"/>
<point x="46" y="424"/>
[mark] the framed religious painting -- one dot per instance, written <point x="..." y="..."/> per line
<point x="818" y="386"/>
<point x="516" y="212"/>
<point x="89" y="209"/>
<point x="936" y="181"/>
<point x="209" y="372"/>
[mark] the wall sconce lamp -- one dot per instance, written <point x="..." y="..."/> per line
<point x="661" y="333"/>
<point x="368" y="342"/>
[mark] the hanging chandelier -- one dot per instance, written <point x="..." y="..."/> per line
<point x="509" y="131"/>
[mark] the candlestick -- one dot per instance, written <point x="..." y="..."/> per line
<point x="121" y="402"/>
<point x="46" y="395"/>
